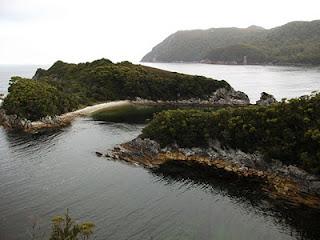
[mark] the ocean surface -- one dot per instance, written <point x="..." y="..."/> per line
<point x="44" y="174"/>
<point x="282" y="82"/>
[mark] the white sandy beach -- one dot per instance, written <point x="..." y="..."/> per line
<point x="91" y="109"/>
<point x="68" y="117"/>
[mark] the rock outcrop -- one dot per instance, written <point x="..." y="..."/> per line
<point x="266" y="99"/>
<point x="229" y="97"/>
<point x="2" y="96"/>
<point x="51" y="120"/>
<point x="286" y="182"/>
<point x="13" y="122"/>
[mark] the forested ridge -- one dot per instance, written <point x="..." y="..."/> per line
<point x="65" y="87"/>
<point x="293" y="43"/>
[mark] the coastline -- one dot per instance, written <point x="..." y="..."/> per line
<point x="62" y="120"/>
<point x="67" y="118"/>
<point x="221" y="97"/>
<point x="238" y="64"/>
<point x="283" y="182"/>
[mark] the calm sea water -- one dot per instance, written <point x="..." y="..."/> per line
<point x="282" y="82"/>
<point x="44" y="174"/>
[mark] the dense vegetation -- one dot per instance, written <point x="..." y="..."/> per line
<point x="288" y="131"/>
<point x="292" y="43"/>
<point x="35" y="99"/>
<point x="64" y="87"/>
<point x="235" y="54"/>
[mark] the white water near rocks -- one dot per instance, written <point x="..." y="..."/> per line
<point x="43" y="175"/>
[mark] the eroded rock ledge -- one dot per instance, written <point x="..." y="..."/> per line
<point x="284" y="182"/>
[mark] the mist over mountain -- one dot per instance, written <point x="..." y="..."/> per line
<point x="293" y="43"/>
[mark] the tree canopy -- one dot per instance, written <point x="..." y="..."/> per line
<point x="287" y="131"/>
<point x="293" y="43"/>
<point x="33" y="99"/>
<point x="64" y="87"/>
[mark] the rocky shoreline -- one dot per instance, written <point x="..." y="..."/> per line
<point x="288" y="183"/>
<point x="13" y="122"/>
<point x="222" y="97"/>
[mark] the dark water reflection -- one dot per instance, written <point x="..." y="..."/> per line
<point x="42" y="175"/>
<point x="304" y="222"/>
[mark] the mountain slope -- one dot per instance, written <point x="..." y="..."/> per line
<point x="292" y="43"/>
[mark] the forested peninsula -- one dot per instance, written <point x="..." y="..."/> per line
<point x="66" y="87"/>
<point x="293" y="43"/>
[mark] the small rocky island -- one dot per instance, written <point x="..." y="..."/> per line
<point x="258" y="142"/>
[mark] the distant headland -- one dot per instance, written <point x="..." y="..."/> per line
<point x="295" y="43"/>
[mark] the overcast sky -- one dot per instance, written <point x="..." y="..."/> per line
<point x="43" y="31"/>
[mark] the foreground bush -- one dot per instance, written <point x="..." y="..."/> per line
<point x="64" y="228"/>
<point x="287" y="131"/>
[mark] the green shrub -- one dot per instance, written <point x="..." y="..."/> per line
<point x="288" y="131"/>
<point x="64" y="228"/>
<point x="35" y="99"/>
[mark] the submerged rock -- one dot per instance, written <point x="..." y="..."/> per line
<point x="266" y="99"/>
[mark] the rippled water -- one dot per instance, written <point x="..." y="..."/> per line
<point x="44" y="174"/>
